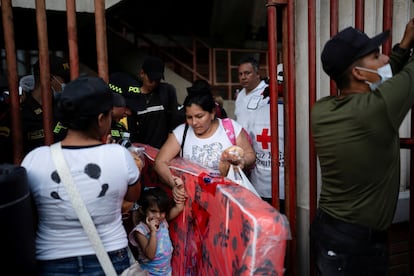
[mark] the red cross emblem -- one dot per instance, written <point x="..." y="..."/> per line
<point x="264" y="138"/>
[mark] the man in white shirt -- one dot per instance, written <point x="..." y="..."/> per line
<point x="250" y="98"/>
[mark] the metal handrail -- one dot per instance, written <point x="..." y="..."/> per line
<point x="227" y="82"/>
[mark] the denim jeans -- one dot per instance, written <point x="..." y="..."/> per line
<point x="342" y="249"/>
<point x="83" y="265"/>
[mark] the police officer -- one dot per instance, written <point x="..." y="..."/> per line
<point x="32" y="107"/>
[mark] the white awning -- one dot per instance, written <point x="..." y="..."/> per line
<point x="60" y="5"/>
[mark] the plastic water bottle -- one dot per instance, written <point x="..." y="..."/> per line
<point x="125" y="141"/>
<point x="137" y="152"/>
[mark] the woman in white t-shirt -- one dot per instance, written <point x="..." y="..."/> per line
<point x="104" y="174"/>
<point x="203" y="139"/>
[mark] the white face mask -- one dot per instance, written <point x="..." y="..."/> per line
<point x="383" y="72"/>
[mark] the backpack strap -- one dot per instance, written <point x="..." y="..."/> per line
<point x="228" y="127"/>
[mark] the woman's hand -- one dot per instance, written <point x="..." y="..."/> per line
<point x="178" y="190"/>
<point x="233" y="155"/>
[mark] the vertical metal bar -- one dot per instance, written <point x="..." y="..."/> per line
<point x="272" y="45"/>
<point x="312" y="99"/>
<point x="214" y="64"/>
<point x="228" y="55"/>
<point x="387" y="24"/>
<point x="16" y="135"/>
<point x="101" y="41"/>
<point x="42" y="38"/>
<point x="359" y="14"/>
<point x="288" y="56"/>
<point x="290" y="128"/>
<point x="333" y="12"/>
<point x="72" y="38"/>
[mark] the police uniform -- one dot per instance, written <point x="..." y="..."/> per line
<point x="32" y="125"/>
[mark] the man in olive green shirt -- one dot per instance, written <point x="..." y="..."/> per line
<point x="356" y="135"/>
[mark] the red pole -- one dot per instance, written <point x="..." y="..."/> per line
<point x="290" y="128"/>
<point x="72" y="39"/>
<point x="272" y="42"/>
<point x="288" y="56"/>
<point x="101" y="43"/>
<point x="387" y="24"/>
<point x="333" y="30"/>
<point x="7" y="15"/>
<point x="42" y="38"/>
<point x="359" y="14"/>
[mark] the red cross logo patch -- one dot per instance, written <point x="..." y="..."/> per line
<point x="264" y="138"/>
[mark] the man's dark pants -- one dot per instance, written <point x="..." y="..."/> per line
<point x="341" y="249"/>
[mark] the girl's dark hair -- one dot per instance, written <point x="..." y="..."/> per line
<point x="154" y="196"/>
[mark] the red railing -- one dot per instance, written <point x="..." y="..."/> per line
<point x="196" y="59"/>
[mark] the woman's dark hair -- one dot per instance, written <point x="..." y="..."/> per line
<point x="81" y="123"/>
<point x="200" y="94"/>
<point x="81" y="102"/>
<point x="154" y="196"/>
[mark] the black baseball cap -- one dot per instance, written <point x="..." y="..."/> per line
<point x="118" y="100"/>
<point x="124" y="84"/>
<point x="346" y="47"/>
<point x="86" y="96"/>
<point x="154" y="68"/>
<point x="58" y="66"/>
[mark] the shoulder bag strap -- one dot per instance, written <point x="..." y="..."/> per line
<point x="80" y="208"/>
<point x="182" y="142"/>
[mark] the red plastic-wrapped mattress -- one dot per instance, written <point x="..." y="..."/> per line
<point x="224" y="229"/>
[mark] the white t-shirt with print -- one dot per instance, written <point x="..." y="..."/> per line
<point x="205" y="151"/>
<point x="102" y="174"/>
